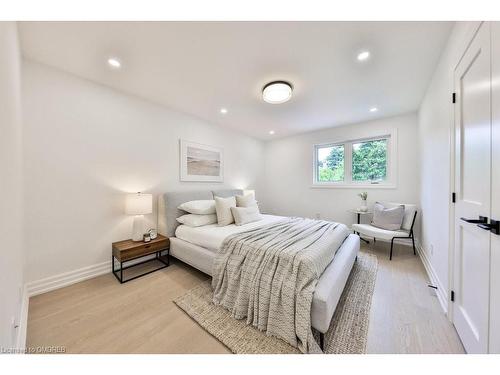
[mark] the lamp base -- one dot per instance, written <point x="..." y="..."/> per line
<point x="138" y="228"/>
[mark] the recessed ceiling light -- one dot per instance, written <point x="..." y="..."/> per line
<point x="114" y="63"/>
<point x="373" y="109"/>
<point x="362" y="56"/>
<point x="277" y="92"/>
<point x="271" y="132"/>
<point x="223" y="111"/>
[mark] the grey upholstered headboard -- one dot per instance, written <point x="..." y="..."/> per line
<point x="168" y="203"/>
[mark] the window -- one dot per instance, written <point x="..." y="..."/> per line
<point x="330" y="163"/>
<point x="369" y="160"/>
<point x="362" y="162"/>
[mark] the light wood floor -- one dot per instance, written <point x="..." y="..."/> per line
<point x="102" y="316"/>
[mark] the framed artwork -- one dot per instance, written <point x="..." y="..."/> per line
<point x="201" y="163"/>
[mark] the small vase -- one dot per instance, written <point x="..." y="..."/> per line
<point x="364" y="206"/>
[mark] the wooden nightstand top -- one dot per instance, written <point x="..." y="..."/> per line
<point x="128" y="249"/>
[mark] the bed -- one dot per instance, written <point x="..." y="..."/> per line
<point x="198" y="248"/>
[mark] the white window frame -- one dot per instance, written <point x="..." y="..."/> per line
<point x="388" y="183"/>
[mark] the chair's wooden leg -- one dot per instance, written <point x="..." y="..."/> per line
<point x="413" y="242"/>
<point x="322" y="341"/>
<point x="392" y="245"/>
<point x="374" y="240"/>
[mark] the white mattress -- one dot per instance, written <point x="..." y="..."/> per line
<point x="211" y="236"/>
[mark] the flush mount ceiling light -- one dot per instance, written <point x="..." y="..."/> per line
<point x="373" y="109"/>
<point x="277" y="92"/>
<point x="223" y="111"/>
<point x="114" y="63"/>
<point x="362" y="56"/>
<point x="271" y="132"/>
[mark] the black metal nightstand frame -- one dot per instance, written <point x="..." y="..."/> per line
<point x="158" y="257"/>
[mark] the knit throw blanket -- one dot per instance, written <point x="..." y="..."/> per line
<point x="268" y="275"/>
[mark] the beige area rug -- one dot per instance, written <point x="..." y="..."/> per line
<point x="347" y="333"/>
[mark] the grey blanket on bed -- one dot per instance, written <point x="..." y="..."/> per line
<point x="268" y="275"/>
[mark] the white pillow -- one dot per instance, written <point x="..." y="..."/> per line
<point x="223" y="210"/>
<point x="388" y="218"/>
<point x="245" y="201"/>
<point x="193" y="220"/>
<point x="245" y="215"/>
<point x="201" y="207"/>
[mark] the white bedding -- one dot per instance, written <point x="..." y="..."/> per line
<point x="198" y="247"/>
<point x="211" y="236"/>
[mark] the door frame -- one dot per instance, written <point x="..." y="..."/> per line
<point x="467" y="41"/>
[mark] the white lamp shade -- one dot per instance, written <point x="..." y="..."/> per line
<point x="139" y="204"/>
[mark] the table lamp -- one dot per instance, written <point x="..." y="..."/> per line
<point x="138" y="205"/>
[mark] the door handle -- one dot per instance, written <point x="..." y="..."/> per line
<point x="493" y="226"/>
<point x="481" y="220"/>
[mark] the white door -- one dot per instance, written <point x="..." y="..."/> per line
<point x="495" y="190"/>
<point x="473" y="188"/>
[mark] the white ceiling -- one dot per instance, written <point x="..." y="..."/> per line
<point x="200" y="67"/>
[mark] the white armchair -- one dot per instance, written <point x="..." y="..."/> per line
<point x="406" y="231"/>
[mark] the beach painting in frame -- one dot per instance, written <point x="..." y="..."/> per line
<point x="201" y="163"/>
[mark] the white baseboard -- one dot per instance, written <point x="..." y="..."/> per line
<point x="55" y="282"/>
<point x="51" y="283"/>
<point x="72" y="277"/>
<point x="441" y="292"/>
<point x="64" y="279"/>
<point x="23" y="320"/>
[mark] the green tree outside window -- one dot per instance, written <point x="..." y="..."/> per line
<point x="331" y="164"/>
<point x="369" y="160"/>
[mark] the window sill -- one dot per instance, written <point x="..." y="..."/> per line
<point x="353" y="186"/>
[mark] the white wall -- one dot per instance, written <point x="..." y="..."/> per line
<point x="85" y="145"/>
<point x="11" y="205"/>
<point x="289" y="164"/>
<point x="435" y="121"/>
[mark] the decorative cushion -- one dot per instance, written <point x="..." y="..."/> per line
<point x="245" y="215"/>
<point x="194" y="220"/>
<point x="245" y="201"/>
<point x="410" y="210"/>
<point x="223" y="210"/>
<point x="201" y="207"/>
<point x="388" y="218"/>
<point x="226" y="193"/>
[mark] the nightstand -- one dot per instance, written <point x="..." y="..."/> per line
<point x="128" y="250"/>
